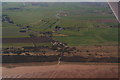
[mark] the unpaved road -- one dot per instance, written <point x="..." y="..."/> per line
<point x="80" y="70"/>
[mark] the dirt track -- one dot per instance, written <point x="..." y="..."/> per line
<point x="80" y="70"/>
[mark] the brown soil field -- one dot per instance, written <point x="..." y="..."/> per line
<point x="63" y="70"/>
<point x="98" y="51"/>
<point x="68" y="69"/>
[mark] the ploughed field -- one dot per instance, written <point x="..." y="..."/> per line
<point x="67" y="70"/>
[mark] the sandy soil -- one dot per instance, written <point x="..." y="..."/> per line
<point x="81" y="70"/>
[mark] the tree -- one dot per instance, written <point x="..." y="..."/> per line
<point x="62" y="48"/>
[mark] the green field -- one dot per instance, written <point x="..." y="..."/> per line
<point x="81" y="17"/>
<point x="104" y="36"/>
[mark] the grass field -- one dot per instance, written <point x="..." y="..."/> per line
<point x="90" y="36"/>
<point x="43" y="17"/>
